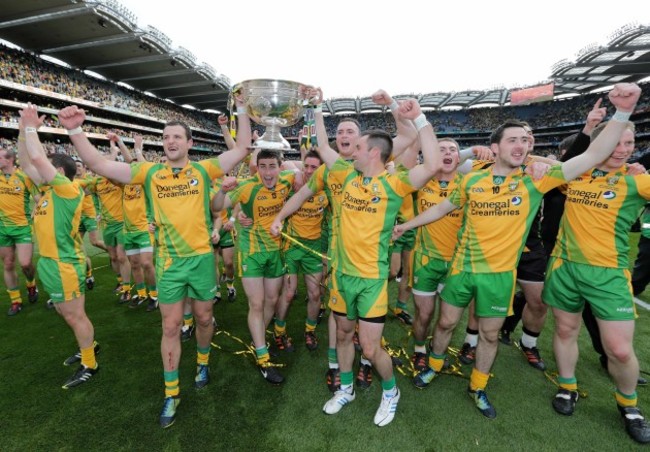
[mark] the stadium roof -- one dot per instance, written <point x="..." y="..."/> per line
<point x="102" y="36"/>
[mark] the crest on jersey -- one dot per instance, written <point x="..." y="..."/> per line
<point x="188" y="173"/>
<point x="613" y="180"/>
<point x="375" y="188"/>
<point x="609" y="194"/>
<point x="516" y="200"/>
<point x="321" y="198"/>
<point x="333" y="300"/>
<point x="512" y="186"/>
<point x="44" y="205"/>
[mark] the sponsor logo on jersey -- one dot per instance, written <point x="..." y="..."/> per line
<point x="194" y="182"/>
<point x="516" y="200"/>
<point x="375" y="199"/>
<point x="609" y="194"/>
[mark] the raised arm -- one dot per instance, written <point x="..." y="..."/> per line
<point x="23" y="155"/>
<point x="223" y="125"/>
<point x="421" y="174"/>
<point x="581" y="143"/>
<point x="292" y="204"/>
<point x="37" y="166"/>
<point x="624" y="97"/>
<point x="406" y="133"/>
<point x="221" y="200"/>
<point x="229" y="159"/>
<point x="327" y="154"/>
<point x="71" y="118"/>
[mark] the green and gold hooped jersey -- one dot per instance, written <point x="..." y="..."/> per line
<point x="307" y="222"/>
<point x="368" y="210"/>
<point x="599" y="211"/>
<point x="179" y="202"/>
<point x="437" y="239"/>
<point x="14" y="199"/>
<point x="110" y="199"/>
<point x="56" y="220"/>
<point x="262" y="205"/>
<point x="497" y="214"/>
<point x="134" y="207"/>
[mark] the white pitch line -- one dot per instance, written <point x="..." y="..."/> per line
<point x="642" y="303"/>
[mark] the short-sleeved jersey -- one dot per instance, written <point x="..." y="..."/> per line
<point x="262" y="205"/>
<point x="368" y="210"/>
<point x="135" y="209"/>
<point x="110" y="199"/>
<point x="56" y="220"/>
<point x="437" y="239"/>
<point x="88" y="205"/>
<point x="599" y="211"/>
<point x="14" y="199"/>
<point x="497" y="214"/>
<point x="179" y="201"/>
<point x="307" y="222"/>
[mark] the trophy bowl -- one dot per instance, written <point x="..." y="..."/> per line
<point x="273" y="104"/>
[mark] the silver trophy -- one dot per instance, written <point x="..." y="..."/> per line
<point x="273" y="104"/>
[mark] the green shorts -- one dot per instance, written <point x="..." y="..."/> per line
<point x="356" y="297"/>
<point x="260" y="265"/>
<point x="12" y="235"/>
<point x="225" y="239"/>
<point x="299" y="260"/>
<point x="608" y="290"/>
<point x="492" y="292"/>
<point x="137" y="242"/>
<point x="181" y="277"/>
<point x="427" y="274"/>
<point x="405" y="243"/>
<point x="64" y="281"/>
<point x="113" y="234"/>
<point x="87" y="224"/>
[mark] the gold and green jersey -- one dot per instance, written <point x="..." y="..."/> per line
<point x="178" y="199"/>
<point x="437" y="239"/>
<point x="56" y="220"/>
<point x="368" y="208"/>
<point x="331" y="184"/>
<point x="306" y="223"/>
<point x="262" y="205"/>
<point x="14" y="199"/>
<point x="599" y="211"/>
<point x="497" y="214"/>
<point x="88" y="205"/>
<point x="110" y="199"/>
<point x="135" y="210"/>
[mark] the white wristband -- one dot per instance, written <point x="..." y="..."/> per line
<point x="394" y="106"/>
<point x="421" y="122"/>
<point x="241" y="111"/>
<point x="621" y="116"/>
<point x="75" y="131"/>
<point x="31" y="130"/>
<point x="232" y="219"/>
